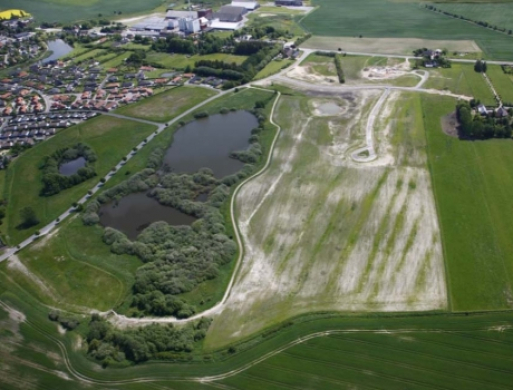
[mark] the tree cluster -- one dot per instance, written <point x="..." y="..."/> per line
<point x="340" y="71"/>
<point x="475" y="126"/>
<point x="53" y="181"/>
<point x="480" y="66"/>
<point x="260" y="32"/>
<point x="111" y="346"/>
<point x="68" y="323"/>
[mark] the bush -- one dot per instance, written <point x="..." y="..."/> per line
<point x="200" y="115"/>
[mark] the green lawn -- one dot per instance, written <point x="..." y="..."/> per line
<point x="166" y="105"/>
<point x="111" y="138"/>
<point x="180" y="61"/>
<point x="272" y="68"/>
<point x="473" y="182"/>
<point x="461" y="79"/>
<point x="73" y="10"/>
<point x="397" y="19"/>
<point x="79" y="269"/>
<point x="503" y="83"/>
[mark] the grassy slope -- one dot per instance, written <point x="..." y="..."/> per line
<point x="461" y="79"/>
<point x="68" y="11"/>
<point x="503" y="83"/>
<point x="166" y="105"/>
<point x="383" y="18"/>
<point x="472" y="183"/>
<point x="272" y="68"/>
<point x="111" y="138"/>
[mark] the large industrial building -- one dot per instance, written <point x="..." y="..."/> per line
<point x="249" y="5"/>
<point x="289" y="3"/>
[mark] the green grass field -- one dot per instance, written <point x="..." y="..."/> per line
<point x="75" y="10"/>
<point x="111" y="138"/>
<point x="166" y="105"/>
<point x="180" y="61"/>
<point x="389" y="19"/>
<point x="472" y="182"/>
<point x="503" y="83"/>
<point x="461" y="79"/>
<point x="272" y="68"/>
<point x="495" y="13"/>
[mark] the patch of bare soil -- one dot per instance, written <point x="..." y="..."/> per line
<point x="450" y="124"/>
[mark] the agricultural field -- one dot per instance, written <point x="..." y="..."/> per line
<point x="503" y="83"/>
<point x="75" y="10"/>
<point x="356" y="238"/>
<point x="23" y="181"/>
<point x="472" y="183"/>
<point x="461" y="79"/>
<point x="389" y="19"/>
<point x="404" y="46"/>
<point x="495" y="13"/>
<point x="166" y="105"/>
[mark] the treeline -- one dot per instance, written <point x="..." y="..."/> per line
<point x="112" y="346"/>
<point x="205" y="44"/>
<point x="53" y="181"/>
<point x="478" y="22"/>
<point x="475" y="126"/>
<point x="178" y="258"/>
<point x="264" y="31"/>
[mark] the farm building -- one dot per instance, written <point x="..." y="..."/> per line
<point x="289" y="3"/>
<point x="230" y="14"/>
<point x="250" y="5"/>
<point x="152" y="24"/>
<point x="181" y="14"/>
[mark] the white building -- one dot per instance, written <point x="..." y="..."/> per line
<point x="250" y="5"/>
<point x="189" y="25"/>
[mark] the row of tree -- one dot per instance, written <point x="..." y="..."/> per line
<point x="53" y="181"/>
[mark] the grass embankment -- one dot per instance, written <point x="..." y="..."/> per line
<point x="473" y="183"/>
<point x="111" y="139"/>
<point x="461" y="79"/>
<point x="272" y="68"/>
<point x="397" y="19"/>
<point x="503" y="83"/>
<point x="167" y="105"/>
<point x="431" y="349"/>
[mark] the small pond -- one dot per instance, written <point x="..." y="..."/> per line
<point x="208" y="142"/>
<point x="135" y="212"/>
<point x="329" y="109"/>
<point x="59" y="49"/>
<point x="71" y="167"/>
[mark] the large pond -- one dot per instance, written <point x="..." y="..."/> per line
<point x="59" y="49"/>
<point x="208" y="142"/>
<point x="71" y="167"/>
<point x="135" y="212"/>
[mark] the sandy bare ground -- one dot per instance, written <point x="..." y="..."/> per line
<point x="306" y="73"/>
<point x="387" y="45"/>
<point x="322" y="232"/>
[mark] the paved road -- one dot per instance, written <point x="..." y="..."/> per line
<point x="160" y="127"/>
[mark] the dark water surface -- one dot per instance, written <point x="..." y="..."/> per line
<point x="59" y="49"/>
<point x="208" y="142"/>
<point x="135" y="212"/>
<point x="71" y="167"/>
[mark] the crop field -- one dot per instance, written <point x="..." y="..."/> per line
<point x="472" y="183"/>
<point x="322" y="232"/>
<point x="461" y="79"/>
<point x="389" y="19"/>
<point x="166" y="105"/>
<point x="404" y="46"/>
<point x="111" y="139"/>
<point x="503" y="83"/>
<point x="180" y="61"/>
<point x="496" y="14"/>
<point x="75" y="10"/>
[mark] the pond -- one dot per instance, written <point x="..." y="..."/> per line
<point x="208" y="142"/>
<point x="59" y="49"/>
<point x="71" y="167"/>
<point x="329" y="109"/>
<point x="135" y="212"/>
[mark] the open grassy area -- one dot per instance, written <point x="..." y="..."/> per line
<point x="77" y="269"/>
<point x="472" y="183"/>
<point x="111" y="139"/>
<point x="180" y="61"/>
<point x="322" y="65"/>
<point x="390" y="19"/>
<point x="354" y="238"/>
<point x="461" y="79"/>
<point x="283" y="21"/>
<point x="166" y="105"/>
<point x="272" y="68"/>
<point x="74" y="10"/>
<point x="503" y="83"/>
